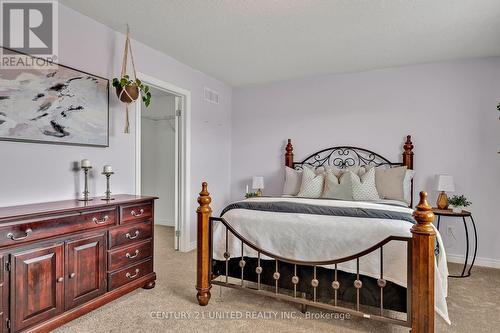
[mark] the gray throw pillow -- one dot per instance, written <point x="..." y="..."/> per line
<point x="337" y="187"/>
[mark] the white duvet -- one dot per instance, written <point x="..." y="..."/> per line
<point x="319" y="238"/>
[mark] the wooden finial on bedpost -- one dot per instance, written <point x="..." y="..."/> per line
<point x="408" y="153"/>
<point x="422" y="261"/>
<point x="289" y="154"/>
<point x="203" y="278"/>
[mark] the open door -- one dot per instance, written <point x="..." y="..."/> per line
<point x="179" y="121"/>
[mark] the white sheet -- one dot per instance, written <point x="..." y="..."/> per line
<point x="317" y="238"/>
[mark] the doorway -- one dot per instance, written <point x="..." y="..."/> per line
<point x="161" y="156"/>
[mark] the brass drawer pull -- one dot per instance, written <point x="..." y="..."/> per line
<point x="136" y="234"/>
<point x="101" y="221"/>
<point x="132" y="256"/>
<point x="134" y="213"/>
<point x="130" y="276"/>
<point x="11" y="236"/>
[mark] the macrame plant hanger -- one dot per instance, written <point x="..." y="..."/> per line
<point x="128" y="48"/>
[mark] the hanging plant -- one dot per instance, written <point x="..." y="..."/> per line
<point x="129" y="89"/>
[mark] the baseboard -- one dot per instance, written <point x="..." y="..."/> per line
<point x="192" y="246"/>
<point x="484" y="262"/>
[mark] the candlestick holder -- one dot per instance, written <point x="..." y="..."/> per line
<point x="86" y="192"/>
<point x="108" y="191"/>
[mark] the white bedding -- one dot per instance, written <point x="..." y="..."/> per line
<point x="320" y="237"/>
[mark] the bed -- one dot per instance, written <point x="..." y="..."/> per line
<point x="377" y="260"/>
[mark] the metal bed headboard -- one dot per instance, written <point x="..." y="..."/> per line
<point x="343" y="157"/>
<point x="346" y="156"/>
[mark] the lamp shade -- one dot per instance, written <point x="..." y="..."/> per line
<point x="445" y="183"/>
<point x="257" y="182"/>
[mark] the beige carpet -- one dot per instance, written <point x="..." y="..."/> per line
<point x="474" y="305"/>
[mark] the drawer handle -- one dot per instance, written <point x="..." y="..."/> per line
<point x="11" y="236"/>
<point x="132" y="256"/>
<point x="130" y="276"/>
<point x="134" y="213"/>
<point x="101" y="221"/>
<point x="129" y="236"/>
<point x="60" y="280"/>
<point x="72" y="275"/>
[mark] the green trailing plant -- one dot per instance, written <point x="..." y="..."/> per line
<point x="125" y="81"/>
<point x="459" y="201"/>
<point x="251" y="195"/>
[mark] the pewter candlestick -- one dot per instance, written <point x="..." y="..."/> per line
<point x="86" y="186"/>
<point x="108" y="191"/>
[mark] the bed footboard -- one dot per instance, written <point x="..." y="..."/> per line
<point x="420" y="277"/>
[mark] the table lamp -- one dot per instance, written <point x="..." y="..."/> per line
<point x="444" y="183"/>
<point x="258" y="184"/>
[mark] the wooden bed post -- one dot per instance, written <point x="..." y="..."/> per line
<point x="289" y="154"/>
<point x="203" y="212"/>
<point x="408" y="153"/>
<point x="422" y="267"/>
<point x="408" y="161"/>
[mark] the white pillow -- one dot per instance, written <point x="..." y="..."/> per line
<point x="363" y="188"/>
<point x="312" y="184"/>
<point x="407" y="185"/>
<point x="293" y="179"/>
<point x="337" y="187"/>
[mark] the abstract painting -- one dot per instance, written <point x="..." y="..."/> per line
<point x="57" y="104"/>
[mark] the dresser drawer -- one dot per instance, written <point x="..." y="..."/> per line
<point x="129" y="234"/>
<point x="99" y="218"/>
<point x="129" y="255"/>
<point x="129" y="274"/>
<point x="42" y="228"/>
<point x="136" y="212"/>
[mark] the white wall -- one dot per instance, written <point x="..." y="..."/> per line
<point x="41" y="172"/>
<point x="158" y="157"/>
<point x="449" y="108"/>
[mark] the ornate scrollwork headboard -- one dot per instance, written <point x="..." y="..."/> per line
<point x="345" y="156"/>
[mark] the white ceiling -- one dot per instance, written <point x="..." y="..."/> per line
<point x="252" y="41"/>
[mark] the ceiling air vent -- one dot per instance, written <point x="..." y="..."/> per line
<point x="211" y="96"/>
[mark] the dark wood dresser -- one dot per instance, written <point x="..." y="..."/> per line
<point x="60" y="260"/>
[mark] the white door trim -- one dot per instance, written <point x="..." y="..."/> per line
<point x="185" y="153"/>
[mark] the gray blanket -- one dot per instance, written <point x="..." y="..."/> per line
<point x="301" y="208"/>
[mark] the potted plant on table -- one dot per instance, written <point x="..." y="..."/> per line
<point x="458" y="202"/>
